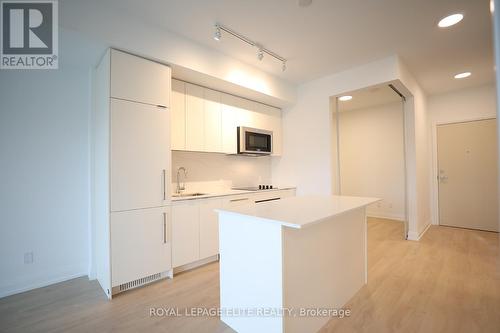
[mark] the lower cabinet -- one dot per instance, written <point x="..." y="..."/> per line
<point x="185" y="233"/>
<point x="209" y="228"/>
<point x="140" y="244"/>
<point x="195" y="230"/>
<point x="195" y="227"/>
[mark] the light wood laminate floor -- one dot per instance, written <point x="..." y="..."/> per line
<point x="447" y="282"/>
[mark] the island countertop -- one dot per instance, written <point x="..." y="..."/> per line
<point x="301" y="211"/>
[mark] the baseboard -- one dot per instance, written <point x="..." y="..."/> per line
<point x="394" y="217"/>
<point x="414" y="236"/>
<point x="195" y="264"/>
<point x="41" y="284"/>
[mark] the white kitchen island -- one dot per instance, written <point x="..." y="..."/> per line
<point x="282" y="258"/>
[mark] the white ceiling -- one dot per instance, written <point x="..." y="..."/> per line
<point x="369" y="97"/>
<point x="334" y="35"/>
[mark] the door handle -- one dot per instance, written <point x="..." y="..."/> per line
<point x="164" y="228"/>
<point x="234" y="200"/>
<point x="164" y="184"/>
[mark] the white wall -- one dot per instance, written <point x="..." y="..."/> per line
<point x="308" y="151"/>
<point x="99" y="21"/>
<point x="462" y="105"/>
<point x="45" y="141"/>
<point x="307" y="127"/>
<point x="44" y="192"/>
<point x="240" y="170"/>
<point x="372" y="157"/>
<point x="417" y="153"/>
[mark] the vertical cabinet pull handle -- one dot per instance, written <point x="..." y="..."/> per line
<point x="164" y="228"/>
<point x="164" y="184"/>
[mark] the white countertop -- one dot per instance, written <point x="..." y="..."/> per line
<point x="301" y="211"/>
<point x="222" y="193"/>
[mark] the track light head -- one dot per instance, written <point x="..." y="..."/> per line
<point x="217" y="33"/>
<point x="219" y="28"/>
<point x="260" y="54"/>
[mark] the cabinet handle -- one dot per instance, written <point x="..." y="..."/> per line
<point x="164" y="228"/>
<point x="266" y="200"/>
<point x="164" y="185"/>
<point x="234" y="200"/>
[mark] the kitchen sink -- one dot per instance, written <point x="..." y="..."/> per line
<point x="197" y="194"/>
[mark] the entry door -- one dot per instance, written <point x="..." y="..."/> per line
<point x="467" y="167"/>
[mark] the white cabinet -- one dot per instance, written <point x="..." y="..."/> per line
<point x="178" y="115"/>
<point x="140" y="244"/>
<point x="195" y="230"/>
<point x="229" y="124"/>
<point x="207" y="120"/>
<point x="137" y="79"/>
<point x="195" y="226"/>
<point x="209" y="227"/>
<point x="269" y="118"/>
<point x="237" y="200"/>
<point x="195" y="118"/>
<point x="185" y="233"/>
<point x="140" y="155"/>
<point x="236" y="111"/>
<point x="213" y="121"/>
<point x="131" y="176"/>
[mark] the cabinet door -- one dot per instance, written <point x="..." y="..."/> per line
<point x="185" y="233"/>
<point x="213" y="121"/>
<point x="140" y="155"/>
<point x="209" y="228"/>
<point x="140" y="244"/>
<point x="269" y="118"/>
<point x="178" y="112"/>
<point x="238" y="200"/>
<point x="137" y="79"/>
<point x="234" y="114"/>
<point x="195" y="118"/>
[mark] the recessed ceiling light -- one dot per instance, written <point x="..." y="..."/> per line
<point x="463" y="75"/>
<point x="450" y="20"/>
<point x="345" y="98"/>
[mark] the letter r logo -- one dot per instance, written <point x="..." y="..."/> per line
<point x="27" y="27"/>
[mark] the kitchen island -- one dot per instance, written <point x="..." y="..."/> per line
<point x="287" y="265"/>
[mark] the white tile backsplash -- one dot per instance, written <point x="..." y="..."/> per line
<point x="214" y="167"/>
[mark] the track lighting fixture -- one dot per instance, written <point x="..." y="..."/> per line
<point x="217" y="33"/>
<point x="260" y="54"/>
<point x="261" y="50"/>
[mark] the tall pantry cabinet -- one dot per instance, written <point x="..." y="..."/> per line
<point x="131" y="177"/>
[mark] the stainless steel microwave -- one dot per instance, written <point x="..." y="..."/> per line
<point x="254" y="142"/>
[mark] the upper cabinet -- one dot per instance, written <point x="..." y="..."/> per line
<point x="178" y="115"/>
<point x="139" y="80"/>
<point x="195" y="118"/>
<point x="213" y="121"/>
<point x="269" y="118"/>
<point x="207" y="120"/>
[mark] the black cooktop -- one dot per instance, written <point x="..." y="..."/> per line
<point x="256" y="188"/>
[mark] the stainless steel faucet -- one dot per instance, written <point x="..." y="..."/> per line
<point x="179" y="187"/>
